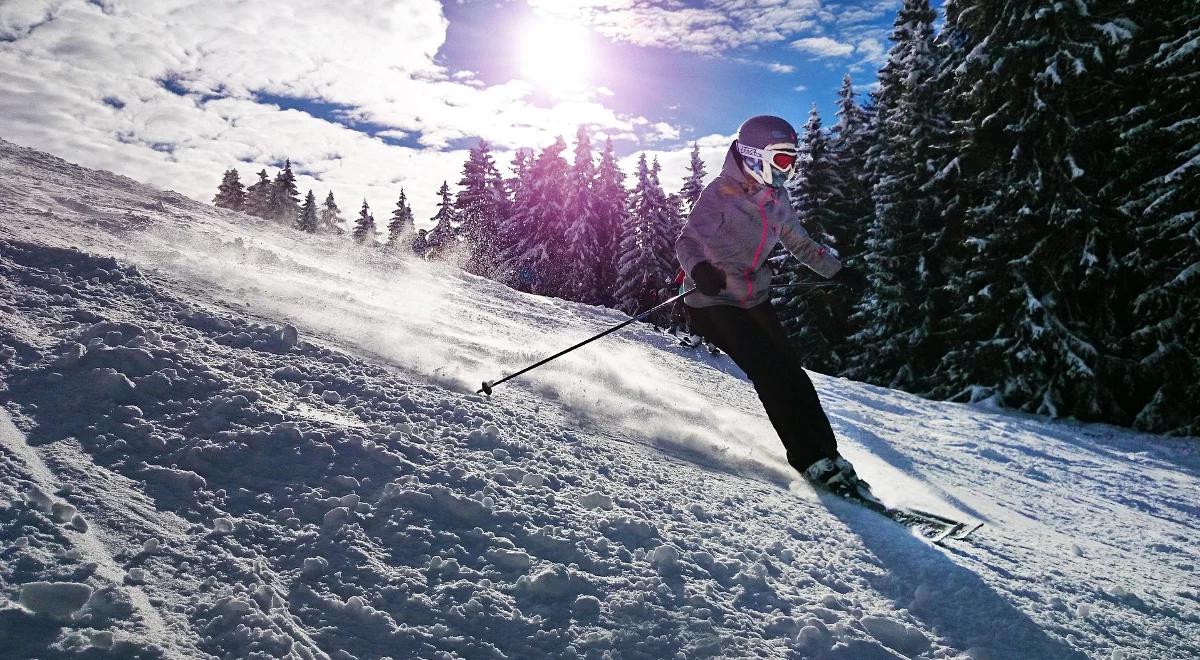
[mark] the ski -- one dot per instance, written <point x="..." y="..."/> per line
<point x="935" y="527"/>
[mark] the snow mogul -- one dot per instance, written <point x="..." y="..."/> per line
<point x="723" y="248"/>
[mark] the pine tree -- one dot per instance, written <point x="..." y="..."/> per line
<point x="1159" y="158"/>
<point x="402" y="229"/>
<point x="533" y="262"/>
<point x="284" y="198"/>
<point x="899" y="348"/>
<point x="364" y="227"/>
<point x="1040" y="313"/>
<point x="851" y="202"/>
<point x="664" y="230"/>
<point x="230" y="194"/>
<point x="816" y="317"/>
<point x="306" y="219"/>
<point x="508" y="230"/>
<point x="331" y="217"/>
<point x="643" y="273"/>
<point x="441" y="240"/>
<point x="582" y="257"/>
<point x="693" y="184"/>
<point x="611" y="209"/>
<point x="675" y="218"/>
<point x="258" y="196"/>
<point x="479" y="206"/>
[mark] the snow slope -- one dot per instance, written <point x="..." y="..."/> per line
<point x="222" y="438"/>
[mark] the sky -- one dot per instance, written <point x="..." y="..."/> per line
<point x="370" y="96"/>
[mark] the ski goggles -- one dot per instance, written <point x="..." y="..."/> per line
<point x="782" y="156"/>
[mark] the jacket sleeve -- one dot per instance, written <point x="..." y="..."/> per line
<point x="702" y="225"/>
<point x="820" y="258"/>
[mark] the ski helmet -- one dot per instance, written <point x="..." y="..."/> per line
<point x="767" y="146"/>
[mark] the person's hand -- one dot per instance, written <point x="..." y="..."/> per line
<point x="851" y="278"/>
<point x="708" y="278"/>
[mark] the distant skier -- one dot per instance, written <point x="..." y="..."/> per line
<point x="681" y="327"/>
<point x="723" y="248"/>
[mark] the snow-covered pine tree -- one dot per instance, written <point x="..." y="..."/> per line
<point x="331" y="217"/>
<point x="258" y="196"/>
<point x="306" y="219"/>
<point x="611" y="209"/>
<point x="507" y="232"/>
<point x="643" y="272"/>
<point x="693" y="183"/>
<point x="816" y="317"/>
<point x="230" y="194"/>
<point x="955" y="192"/>
<point x="443" y="238"/>
<point x="364" y="226"/>
<point x="675" y="219"/>
<point x="284" y="197"/>
<point x="1159" y="152"/>
<point x="520" y="164"/>
<point x="533" y="262"/>
<point x="478" y="206"/>
<point x="851" y="202"/>
<point x="1039" y="312"/>
<point x="664" y="231"/>
<point x="582" y="240"/>
<point x="402" y="228"/>
<point x="897" y="346"/>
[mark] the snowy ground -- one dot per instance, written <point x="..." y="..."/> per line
<point x="235" y="441"/>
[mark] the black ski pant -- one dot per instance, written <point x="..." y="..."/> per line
<point x="757" y="342"/>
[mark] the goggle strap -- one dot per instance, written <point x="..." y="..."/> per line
<point x="747" y="150"/>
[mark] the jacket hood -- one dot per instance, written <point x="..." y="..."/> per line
<point x="732" y="170"/>
<point x="732" y="166"/>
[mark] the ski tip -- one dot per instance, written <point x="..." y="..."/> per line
<point x="967" y="530"/>
<point x="948" y="533"/>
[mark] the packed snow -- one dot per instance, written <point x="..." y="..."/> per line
<point x="224" y="438"/>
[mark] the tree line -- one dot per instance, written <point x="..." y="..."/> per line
<point x="554" y="227"/>
<point x="1020" y="190"/>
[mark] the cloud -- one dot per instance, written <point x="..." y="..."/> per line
<point x="871" y="50"/>
<point x="174" y="92"/>
<point x="773" y="67"/>
<point x="711" y="27"/>
<point x="823" y="47"/>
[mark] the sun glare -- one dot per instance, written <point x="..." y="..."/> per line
<point x="555" y="55"/>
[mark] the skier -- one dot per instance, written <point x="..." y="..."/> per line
<point x="723" y="248"/>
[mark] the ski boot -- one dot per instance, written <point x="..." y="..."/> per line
<point x="826" y="474"/>
<point x="837" y="475"/>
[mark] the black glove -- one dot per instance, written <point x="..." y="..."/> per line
<point x="708" y="278"/>
<point x="852" y="278"/>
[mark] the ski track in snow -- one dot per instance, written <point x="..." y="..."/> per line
<point x="232" y="440"/>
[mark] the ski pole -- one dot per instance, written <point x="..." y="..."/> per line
<point x="811" y="285"/>
<point x="487" y="386"/>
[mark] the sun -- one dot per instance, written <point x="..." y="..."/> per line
<point x="556" y="55"/>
